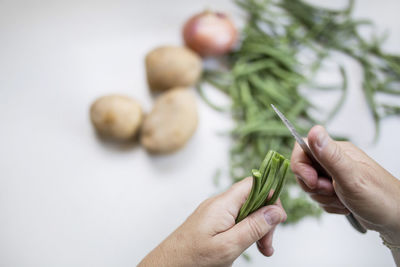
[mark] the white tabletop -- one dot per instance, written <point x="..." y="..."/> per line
<point x="68" y="199"/>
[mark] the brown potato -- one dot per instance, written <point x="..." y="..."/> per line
<point x="172" y="66"/>
<point x="171" y="123"/>
<point x="116" y="116"/>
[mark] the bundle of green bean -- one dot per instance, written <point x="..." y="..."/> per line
<point x="270" y="176"/>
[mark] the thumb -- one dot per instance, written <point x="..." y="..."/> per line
<point x="329" y="153"/>
<point x="254" y="227"/>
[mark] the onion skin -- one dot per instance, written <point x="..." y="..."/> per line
<point x="210" y="33"/>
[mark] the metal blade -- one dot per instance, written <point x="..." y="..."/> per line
<point x="295" y="134"/>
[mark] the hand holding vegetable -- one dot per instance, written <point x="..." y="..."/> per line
<point x="359" y="184"/>
<point x="210" y="237"/>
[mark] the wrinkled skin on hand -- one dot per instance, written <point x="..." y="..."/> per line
<point x="356" y="184"/>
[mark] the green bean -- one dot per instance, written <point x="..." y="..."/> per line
<point x="342" y="98"/>
<point x="391" y="110"/>
<point x="244" y="211"/>
<point x="260" y="48"/>
<point x="217" y="84"/>
<point x="371" y="102"/>
<point x="271" y="92"/>
<point x="270" y="176"/>
<point x="297" y="109"/>
<point x="248" y="68"/>
<point x="265" y="163"/>
<point x="200" y="89"/>
<point x="282" y="175"/>
<point x="270" y="183"/>
<point x="271" y="129"/>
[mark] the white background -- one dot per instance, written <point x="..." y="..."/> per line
<point x="68" y="199"/>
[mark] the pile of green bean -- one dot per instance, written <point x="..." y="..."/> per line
<point x="266" y="70"/>
<point x="270" y="176"/>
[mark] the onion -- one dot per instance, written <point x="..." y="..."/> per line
<point x="210" y="33"/>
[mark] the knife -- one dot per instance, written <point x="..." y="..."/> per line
<point x="320" y="170"/>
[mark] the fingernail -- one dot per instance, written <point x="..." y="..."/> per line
<point x="272" y="217"/>
<point x="322" y="139"/>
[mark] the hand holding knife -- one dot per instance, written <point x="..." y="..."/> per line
<point x="320" y="170"/>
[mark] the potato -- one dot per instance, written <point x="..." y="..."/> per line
<point x="171" y="123"/>
<point x="116" y="116"/>
<point x="172" y="66"/>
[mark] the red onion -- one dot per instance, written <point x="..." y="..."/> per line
<point x="210" y="33"/>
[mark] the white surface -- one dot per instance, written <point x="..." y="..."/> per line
<point x="67" y="199"/>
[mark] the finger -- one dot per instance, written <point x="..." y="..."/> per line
<point x="304" y="186"/>
<point x="336" y="210"/>
<point x="298" y="154"/>
<point x="236" y="195"/>
<point x="253" y="227"/>
<point x="264" y="245"/>
<point x="328" y="201"/>
<point x="279" y="204"/>
<point x="325" y="187"/>
<point x="302" y="167"/>
<point x="329" y="153"/>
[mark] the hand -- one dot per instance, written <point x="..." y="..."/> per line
<point x="359" y="185"/>
<point x="210" y="237"/>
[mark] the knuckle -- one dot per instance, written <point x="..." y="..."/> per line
<point x="255" y="229"/>
<point x="297" y="167"/>
<point x="217" y="204"/>
<point x="346" y="145"/>
<point x="206" y="204"/>
<point x="335" y="154"/>
<point x="304" y="186"/>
